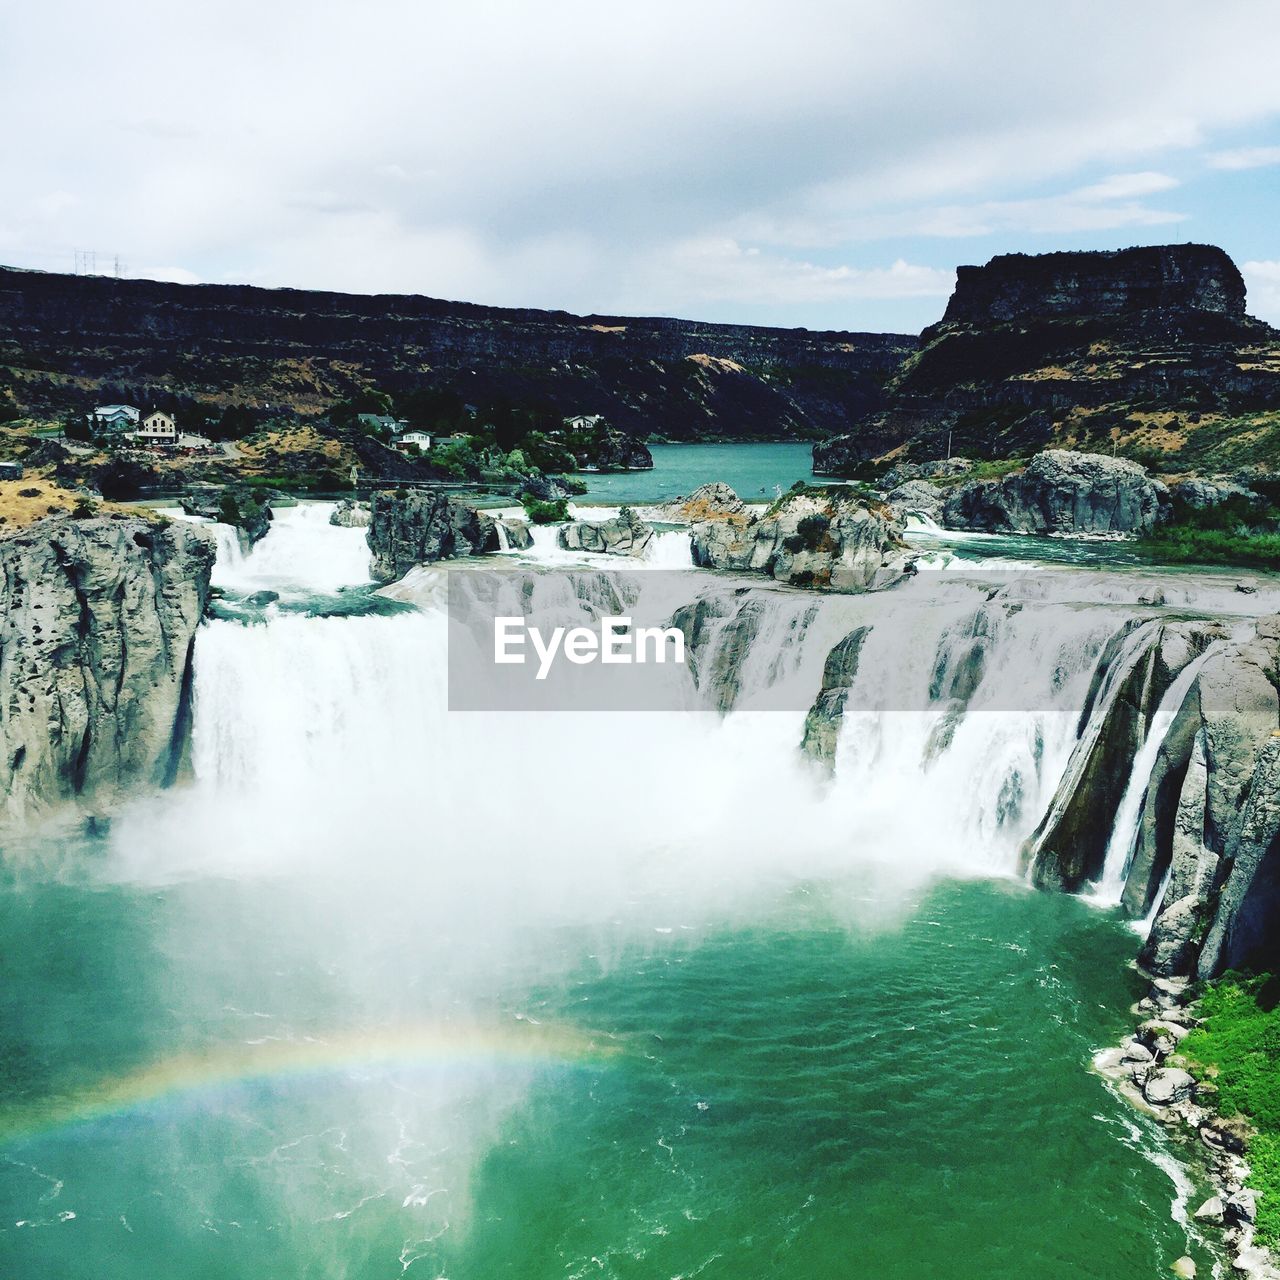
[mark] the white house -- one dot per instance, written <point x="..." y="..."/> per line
<point x="114" y="417"/>
<point x="412" y="441"/>
<point x="157" y="428"/>
<point x="583" y="421"/>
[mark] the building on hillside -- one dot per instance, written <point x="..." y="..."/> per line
<point x="10" y="470"/>
<point x="157" y="428"/>
<point x="380" y="422"/>
<point x="412" y="442"/>
<point x="583" y="421"/>
<point x="114" y="417"/>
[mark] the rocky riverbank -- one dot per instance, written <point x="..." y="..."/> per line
<point x="1150" y="1071"/>
<point x="97" y="625"/>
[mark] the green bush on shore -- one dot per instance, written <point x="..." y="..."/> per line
<point x="540" y="512"/>
<point x="1238" y="1046"/>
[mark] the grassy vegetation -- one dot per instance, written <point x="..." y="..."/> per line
<point x="1234" y="532"/>
<point x="1184" y="544"/>
<point x="1238" y="1047"/>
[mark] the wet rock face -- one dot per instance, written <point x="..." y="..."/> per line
<point x="1062" y="492"/>
<point x="97" y="624"/>
<point x="421" y="526"/>
<point x="1015" y="286"/>
<point x="625" y="535"/>
<point x="827" y="539"/>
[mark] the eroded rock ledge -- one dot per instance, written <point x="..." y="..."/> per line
<point x="828" y="539"/>
<point x="97" y="623"/>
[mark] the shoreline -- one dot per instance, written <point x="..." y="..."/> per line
<point x="1145" y="1070"/>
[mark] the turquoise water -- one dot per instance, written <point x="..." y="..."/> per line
<point x="830" y="1084"/>
<point x="755" y="472"/>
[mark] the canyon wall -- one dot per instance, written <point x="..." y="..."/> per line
<point x="68" y="341"/>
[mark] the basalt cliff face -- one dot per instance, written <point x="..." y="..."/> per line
<point x="67" y="342"/>
<point x="1146" y="349"/>
<point x="1205" y="857"/>
<point x="99" y="621"/>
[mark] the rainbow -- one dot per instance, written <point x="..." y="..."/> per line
<point x="187" y="1076"/>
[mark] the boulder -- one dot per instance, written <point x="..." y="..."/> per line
<point x="349" y="514"/>
<point x="1167" y="1085"/>
<point x="829" y="539"/>
<point x="517" y="533"/>
<point x="625" y="535"/>
<point x="1213" y="1212"/>
<point x="1242" y="1207"/>
<point x="420" y="526"/>
<point x="1061" y="492"/>
<point x="707" y="502"/>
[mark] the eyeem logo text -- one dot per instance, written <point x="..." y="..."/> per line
<point x="616" y="641"/>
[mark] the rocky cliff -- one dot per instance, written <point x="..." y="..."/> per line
<point x="1058" y="492"/>
<point x="1206" y="856"/>
<point x="67" y="342"/>
<point x="99" y="620"/>
<point x="420" y="526"/>
<point x="1146" y="350"/>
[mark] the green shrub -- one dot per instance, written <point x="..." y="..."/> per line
<point x="540" y="512"/>
<point x="1238" y="1045"/>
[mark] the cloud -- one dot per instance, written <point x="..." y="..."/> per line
<point x="551" y="154"/>
<point x="1111" y="204"/>
<point x="1262" y="280"/>
<point x="1245" y="158"/>
<point x="721" y="270"/>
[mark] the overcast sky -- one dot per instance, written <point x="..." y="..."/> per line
<point x="801" y="162"/>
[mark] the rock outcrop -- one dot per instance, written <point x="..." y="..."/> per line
<point x="349" y="514"/>
<point x="1206" y="858"/>
<point x="1069" y="847"/>
<point x="1061" y="492"/>
<point x="707" y="502"/>
<point x="97" y="624"/>
<point x="419" y="526"/>
<point x="1078" y="350"/>
<point x="235" y="506"/>
<point x="1220" y="867"/>
<point x="830" y="539"/>
<point x="624" y="535"/>
<point x="1026" y="287"/>
<point x="822" y="723"/>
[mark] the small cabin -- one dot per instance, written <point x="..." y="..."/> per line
<point x="10" y="470"/>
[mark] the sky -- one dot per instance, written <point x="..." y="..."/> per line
<point x="825" y="163"/>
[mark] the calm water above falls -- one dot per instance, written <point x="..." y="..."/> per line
<point x="381" y="993"/>
<point x="755" y="472"/>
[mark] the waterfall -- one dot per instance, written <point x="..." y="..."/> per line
<point x="965" y="709"/>
<point x="1124" y="831"/>
<point x="670" y="549"/>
